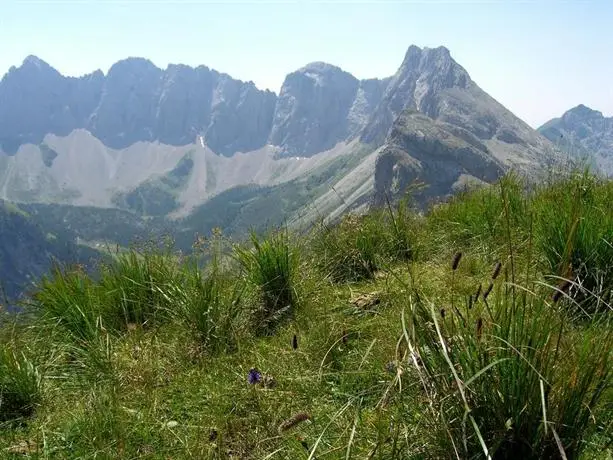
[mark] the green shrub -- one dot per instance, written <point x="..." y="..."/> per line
<point x="272" y="267"/>
<point x="504" y="375"/>
<point x="20" y="386"/>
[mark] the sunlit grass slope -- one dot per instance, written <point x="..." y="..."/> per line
<point x="481" y="328"/>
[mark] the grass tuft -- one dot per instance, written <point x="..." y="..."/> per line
<point x="574" y="232"/>
<point x="141" y="287"/>
<point x="359" y="246"/>
<point x="212" y="308"/>
<point x="20" y="386"/>
<point x="271" y="266"/>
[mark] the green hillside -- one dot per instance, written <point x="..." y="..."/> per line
<point x="480" y="328"/>
<point x="27" y="250"/>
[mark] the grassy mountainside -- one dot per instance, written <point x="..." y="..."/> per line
<point x="159" y="196"/>
<point x="27" y="251"/>
<point x="235" y="211"/>
<point x="241" y="209"/>
<point x="481" y="326"/>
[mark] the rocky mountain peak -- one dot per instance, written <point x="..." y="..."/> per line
<point x="35" y="99"/>
<point x="417" y="84"/>
<point x="133" y="63"/>
<point x="413" y="53"/>
<point x="320" y="74"/>
<point x="323" y="69"/>
<point x="435" y="65"/>
<point x="581" y="112"/>
<point x="311" y="113"/>
<point x="320" y="66"/>
<point x="416" y="57"/>
<point x="32" y="67"/>
<point x="584" y="133"/>
<point x="35" y="62"/>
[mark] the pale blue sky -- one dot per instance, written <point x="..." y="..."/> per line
<point x="539" y="58"/>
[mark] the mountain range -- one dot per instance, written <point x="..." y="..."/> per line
<point x="182" y="150"/>
<point x="585" y="134"/>
<point x="163" y="142"/>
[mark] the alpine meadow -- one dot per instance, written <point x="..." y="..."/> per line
<point x="392" y="267"/>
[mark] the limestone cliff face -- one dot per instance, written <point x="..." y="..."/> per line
<point x="431" y="82"/>
<point x="135" y="101"/>
<point x="439" y="156"/>
<point x="143" y="103"/>
<point x="125" y="112"/>
<point x="438" y="127"/>
<point x="35" y="100"/>
<point x="421" y="74"/>
<point x="321" y="105"/>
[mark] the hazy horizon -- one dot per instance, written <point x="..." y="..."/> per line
<point x="539" y="59"/>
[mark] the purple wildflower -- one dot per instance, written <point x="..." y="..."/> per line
<point x="254" y="376"/>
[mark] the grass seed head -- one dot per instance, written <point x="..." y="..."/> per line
<point x="293" y="421"/>
<point x="562" y="289"/>
<point x="295" y="342"/>
<point x="496" y="270"/>
<point x="487" y="291"/>
<point x="456" y="261"/>
<point x="478" y="292"/>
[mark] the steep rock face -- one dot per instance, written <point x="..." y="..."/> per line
<point x="321" y="105"/>
<point x="421" y="77"/>
<point x="431" y="82"/>
<point x="241" y="116"/>
<point x="126" y="112"/>
<point x="438" y="127"/>
<point x="583" y="133"/>
<point x="135" y="101"/>
<point x="143" y="103"/>
<point x="35" y="100"/>
<point x="313" y="108"/>
<point x="184" y="104"/>
<point x="441" y="156"/>
<point x="369" y="95"/>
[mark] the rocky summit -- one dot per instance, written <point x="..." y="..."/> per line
<point x="585" y="134"/>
